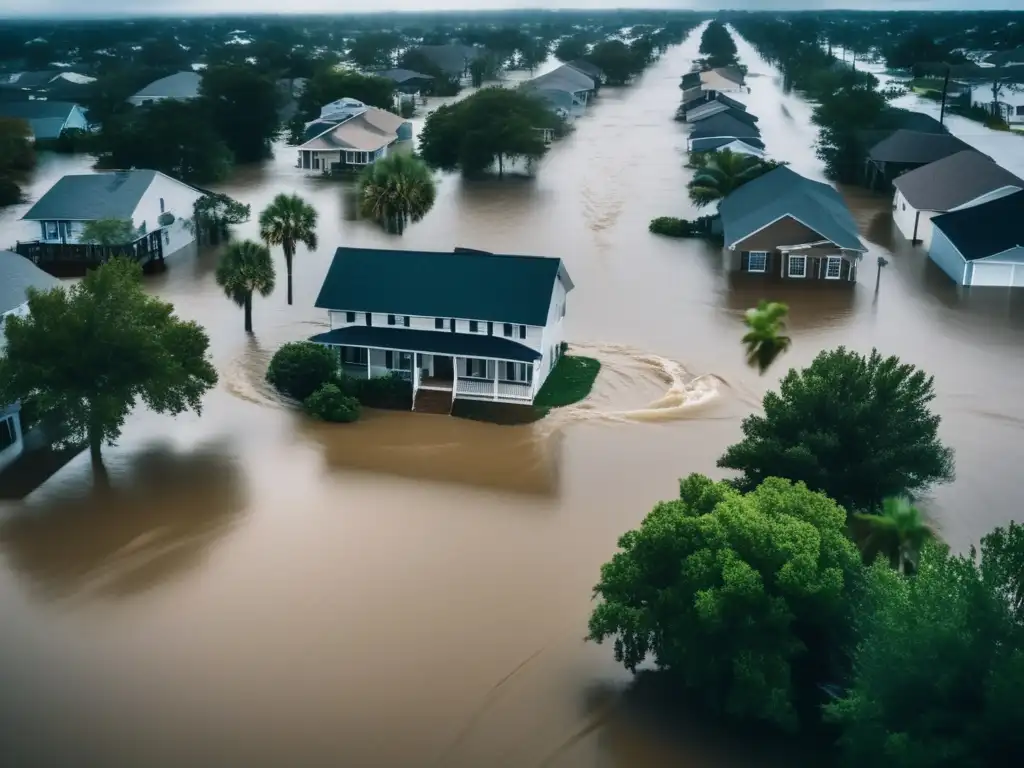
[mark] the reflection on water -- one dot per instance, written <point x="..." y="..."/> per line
<point x="126" y="537"/>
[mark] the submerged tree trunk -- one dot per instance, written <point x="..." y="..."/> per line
<point x="248" y="313"/>
<point x="501" y="166"/>
<point x="288" y="267"/>
<point x="99" y="470"/>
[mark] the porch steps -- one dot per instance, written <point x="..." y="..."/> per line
<point x="433" y="401"/>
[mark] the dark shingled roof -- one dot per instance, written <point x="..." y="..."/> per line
<point x="402" y="75"/>
<point x="92" y="196"/>
<point x="916" y="147"/>
<point x="463" y="284"/>
<point x="736" y="114"/>
<point x="437" y="342"/>
<point x="590" y="70"/>
<point x="690" y="80"/>
<point x="706" y="145"/>
<point x="17" y="275"/>
<point x="723" y="125"/>
<point x="987" y="229"/>
<point x="36" y="109"/>
<point x="954" y="181"/>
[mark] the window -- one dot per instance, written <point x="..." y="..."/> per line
<point x="522" y="331"/>
<point x="350" y="317"/>
<point x="520" y="372"/>
<point x="391" y="319"/>
<point x="167" y="237"/>
<point x="353" y="355"/>
<point x="508" y="330"/>
<point x="406" y="321"/>
<point x="757" y="261"/>
<point x="439" y="323"/>
<point x="1020" y="111"/>
<point x="798" y="266"/>
<point x="389" y="359"/>
<point x="476" y="369"/>
<point x="474" y="326"/>
<point x="161" y="205"/>
<point x="369" y="319"/>
<point x="451" y="325"/>
<point x="490" y="328"/>
<point x="904" y="206"/>
<point x="7" y="433"/>
<point x="834" y="268"/>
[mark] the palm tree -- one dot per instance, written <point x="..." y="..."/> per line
<point x="288" y="221"/>
<point x="899" y="532"/>
<point x="397" y="190"/>
<point x="724" y="172"/>
<point x="765" y="340"/>
<point x="244" y="269"/>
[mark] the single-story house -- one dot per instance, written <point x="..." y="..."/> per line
<point x="690" y="81"/>
<point x="959" y="181"/>
<point x="150" y="200"/>
<point x="982" y="245"/>
<point x="17" y="275"/>
<point x="466" y="324"/>
<point x="723" y="80"/>
<point x="905" y="150"/>
<point x="47" y="119"/>
<point x="592" y="71"/>
<point x="566" y="78"/>
<point x="452" y="58"/>
<point x="563" y="103"/>
<point x="787" y="225"/>
<point x="50" y="84"/>
<point x="1010" y="105"/>
<point x="698" y="115"/>
<point x="354" y="142"/>
<point x="746" y="146"/>
<point x="408" y="84"/>
<point x="723" y="126"/>
<point x="698" y="109"/>
<point x="180" y="86"/>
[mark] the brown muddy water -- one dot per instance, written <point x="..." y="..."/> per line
<point x="255" y="590"/>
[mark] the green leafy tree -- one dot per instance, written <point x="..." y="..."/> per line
<point x="288" y="221"/>
<point x="722" y="173"/>
<point x="443" y="83"/>
<point x="375" y="50"/>
<point x="215" y="212"/>
<point x="329" y="403"/>
<point x="765" y="339"/>
<point x="493" y="126"/>
<point x="330" y="85"/>
<point x="939" y="668"/>
<point x="742" y="597"/>
<point x="300" y="368"/>
<point x="89" y="352"/>
<point x="571" y="48"/>
<point x="898" y="532"/>
<point x="16" y="153"/>
<point x="243" y="107"/>
<point x="244" y="269"/>
<point x="853" y="427"/>
<point x="108" y="232"/>
<point x="616" y="60"/>
<point x="396" y="191"/>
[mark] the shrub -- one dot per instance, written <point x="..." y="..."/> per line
<point x="389" y="391"/>
<point x="673" y="227"/>
<point x="407" y="109"/>
<point x="10" y="192"/>
<point x="300" y="368"/>
<point x="329" y="403"/>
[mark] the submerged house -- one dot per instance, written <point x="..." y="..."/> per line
<point x="723" y="80"/>
<point x="466" y="324"/>
<point x="783" y="224"/>
<point x="566" y="78"/>
<point x="181" y="86"/>
<point x="724" y="126"/>
<point x="959" y="181"/>
<point x="982" y="245"/>
<point x="705" y="106"/>
<point x="904" y="150"/>
<point x="350" y="135"/>
<point x="46" y="119"/>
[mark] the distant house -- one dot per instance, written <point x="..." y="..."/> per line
<point x="17" y="275"/>
<point x="47" y="119"/>
<point x="959" y="181"/>
<point x="905" y="150"/>
<point x="782" y="224"/>
<point x="408" y="84"/>
<point x="723" y="80"/>
<point x="181" y="86"/>
<point x="54" y="84"/>
<point x="150" y="200"/>
<point x="568" y="79"/>
<point x="690" y="81"/>
<point x="350" y="134"/>
<point x="982" y="245"/>
<point x="1010" y="104"/>
<point x="723" y="127"/>
<point x="696" y="116"/>
<point x="565" y="104"/>
<point x="460" y="325"/>
<point x="746" y="146"/>
<point x="706" y="106"/>
<point x="453" y="58"/>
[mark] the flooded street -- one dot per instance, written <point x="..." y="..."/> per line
<point x="411" y="590"/>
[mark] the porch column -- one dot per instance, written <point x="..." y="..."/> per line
<point x="494" y="394"/>
<point x="368" y="362"/>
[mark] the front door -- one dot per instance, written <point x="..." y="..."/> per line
<point x="443" y="368"/>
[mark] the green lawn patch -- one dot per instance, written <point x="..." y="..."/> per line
<point x="570" y="382"/>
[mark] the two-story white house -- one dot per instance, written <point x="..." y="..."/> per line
<point x="17" y="275"/>
<point x="470" y="324"/>
<point x="150" y="200"/>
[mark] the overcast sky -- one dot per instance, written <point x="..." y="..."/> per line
<point x="78" y="8"/>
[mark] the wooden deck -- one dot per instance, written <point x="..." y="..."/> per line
<point x="75" y="259"/>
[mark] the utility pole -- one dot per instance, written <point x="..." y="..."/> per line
<point x="945" y="90"/>
<point x="882" y="261"/>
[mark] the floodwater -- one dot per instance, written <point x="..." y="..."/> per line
<point x="412" y="590"/>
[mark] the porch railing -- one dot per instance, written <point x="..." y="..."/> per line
<point x="506" y="390"/>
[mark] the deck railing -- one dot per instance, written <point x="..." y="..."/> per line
<point x="505" y="390"/>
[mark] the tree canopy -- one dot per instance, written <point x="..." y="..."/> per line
<point x="16" y="156"/>
<point x="108" y="232"/>
<point x="743" y="597"/>
<point x="246" y="268"/>
<point x="87" y="353"/>
<point x="717" y="45"/>
<point x="493" y="126"/>
<point x="856" y="428"/>
<point x="940" y="664"/>
<point x="617" y="60"/>
<point x="287" y="221"/>
<point x="572" y="48"/>
<point x="719" y="174"/>
<point x="397" y="191"/>
<point x="242" y="106"/>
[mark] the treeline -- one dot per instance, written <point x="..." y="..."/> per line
<point x="623" y="59"/>
<point x="717" y="47"/>
<point x="17" y="157"/>
<point x="752" y="597"/>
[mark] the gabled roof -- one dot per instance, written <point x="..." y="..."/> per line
<point x="707" y="145"/>
<point x="916" y="147"/>
<point x="180" y="85"/>
<point x="460" y="284"/>
<point x="28" y="79"/>
<point x="45" y="118"/>
<point x="92" y="196"/>
<point x="700" y="115"/>
<point x="17" y="275"/>
<point x="987" y="229"/>
<point x="402" y="75"/>
<point x="732" y="74"/>
<point x="564" y="78"/>
<point x="723" y="125"/>
<point x="590" y="70"/>
<point x="954" y="181"/>
<point x="783" y="192"/>
<point x="368" y="131"/>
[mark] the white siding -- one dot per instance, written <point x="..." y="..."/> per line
<point x="179" y="199"/>
<point x="947" y="257"/>
<point x="11" y="417"/>
<point x="76" y="120"/>
<point x="534" y="334"/>
<point x="1002" y="269"/>
<point x="553" y="335"/>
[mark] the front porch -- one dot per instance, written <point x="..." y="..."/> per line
<point x="337" y="161"/>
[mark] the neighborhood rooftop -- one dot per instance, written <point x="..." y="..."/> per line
<point x="460" y="284"/>
<point x="368" y="131"/>
<point x="954" y="181"/>
<point x="565" y="78"/>
<point x="783" y="192"/>
<point x="987" y="229"/>
<point x="92" y="196"/>
<point x="916" y="147"/>
<point x="17" y="275"/>
<point x="180" y="85"/>
<point x="723" y="125"/>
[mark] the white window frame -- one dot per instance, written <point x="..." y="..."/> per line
<point x="471" y="363"/>
<point x="789" y="264"/>
<point x="752" y="254"/>
<point x="828" y="262"/>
